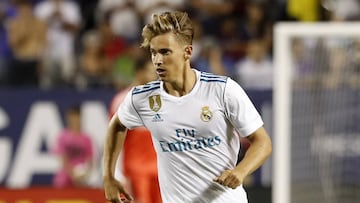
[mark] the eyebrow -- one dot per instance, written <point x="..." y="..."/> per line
<point x="162" y="50"/>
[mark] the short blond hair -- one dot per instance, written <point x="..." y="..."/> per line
<point x="177" y="22"/>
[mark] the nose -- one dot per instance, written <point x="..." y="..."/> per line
<point x="157" y="60"/>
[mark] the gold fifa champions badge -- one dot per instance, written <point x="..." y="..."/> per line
<point x="206" y="114"/>
<point x="155" y="102"/>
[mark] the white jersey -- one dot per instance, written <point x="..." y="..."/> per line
<point x="193" y="135"/>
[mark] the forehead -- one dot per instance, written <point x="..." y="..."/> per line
<point x="167" y="40"/>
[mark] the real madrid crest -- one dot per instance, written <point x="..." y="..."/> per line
<point x="155" y="102"/>
<point x="206" y="114"/>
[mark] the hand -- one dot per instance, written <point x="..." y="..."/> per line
<point x="230" y="178"/>
<point x="113" y="190"/>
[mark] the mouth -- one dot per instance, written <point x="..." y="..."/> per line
<point x="160" y="72"/>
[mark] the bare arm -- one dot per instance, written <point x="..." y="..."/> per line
<point x="259" y="150"/>
<point x="16" y="34"/>
<point x="114" y="141"/>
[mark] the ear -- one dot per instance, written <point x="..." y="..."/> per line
<point x="188" y="51"/>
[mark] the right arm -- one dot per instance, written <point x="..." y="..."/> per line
<point x="114" y="141"/>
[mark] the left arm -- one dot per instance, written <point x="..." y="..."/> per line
<point x="259" y="150"/>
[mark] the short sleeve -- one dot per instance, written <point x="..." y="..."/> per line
<point x="240" y="110"/>
<point x="127" y="113"/>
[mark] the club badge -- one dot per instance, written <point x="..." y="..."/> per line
<point x="206" y="114"/>
<point x="155" y="102"/>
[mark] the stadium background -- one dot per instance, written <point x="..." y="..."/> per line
<point x="32" y="113"/>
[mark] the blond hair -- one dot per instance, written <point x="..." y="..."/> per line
<point x="177" y="22"/>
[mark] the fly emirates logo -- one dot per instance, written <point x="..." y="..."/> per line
<point x="189" y="140"/>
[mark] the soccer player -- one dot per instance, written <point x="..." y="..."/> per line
<point x="195" y="119"/>
<point x="137" y="167"/>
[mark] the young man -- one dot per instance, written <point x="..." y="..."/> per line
<point x="195" y="120"/>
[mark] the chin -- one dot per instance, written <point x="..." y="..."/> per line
<point x="162" y="78"/>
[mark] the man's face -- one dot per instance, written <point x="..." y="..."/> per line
<point x="168" y="57"/>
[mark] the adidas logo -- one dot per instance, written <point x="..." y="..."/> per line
<point x="157" y="118"/>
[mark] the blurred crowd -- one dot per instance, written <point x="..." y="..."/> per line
<point x="86" y="44"/>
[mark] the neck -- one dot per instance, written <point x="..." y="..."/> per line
<point x="137" y="82"/>
<point x="183" y="85"/>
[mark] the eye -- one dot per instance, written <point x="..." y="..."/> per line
<point x="153" y="53"/>
<point x="165" y="51"/>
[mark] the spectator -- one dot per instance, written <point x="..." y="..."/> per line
<point x="6" y="11"/>
<point x="112" y="46"/>
<point x="210" y="58"/>
<point x="342" y="69"/>
<point x="211" y="12"/>
<point x="256" y="25"/>
<point x="124" y="19"/>
<point x="93" y="71"/>
<point x="27" y="41"/>
<point x="75" y="150"/>
<point x="123" y="67"/>
<point x="147" y="8"/>
<point x="207" y="54"/>
<point x="88" y="14"/>
<point x="63" y="19"/>
<point x="229" y="37"/>
<point x="255" y="71"/>
<point x="138" y="164"/>
<point x="312" y="61"/>
<point x="348" y="10"/>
